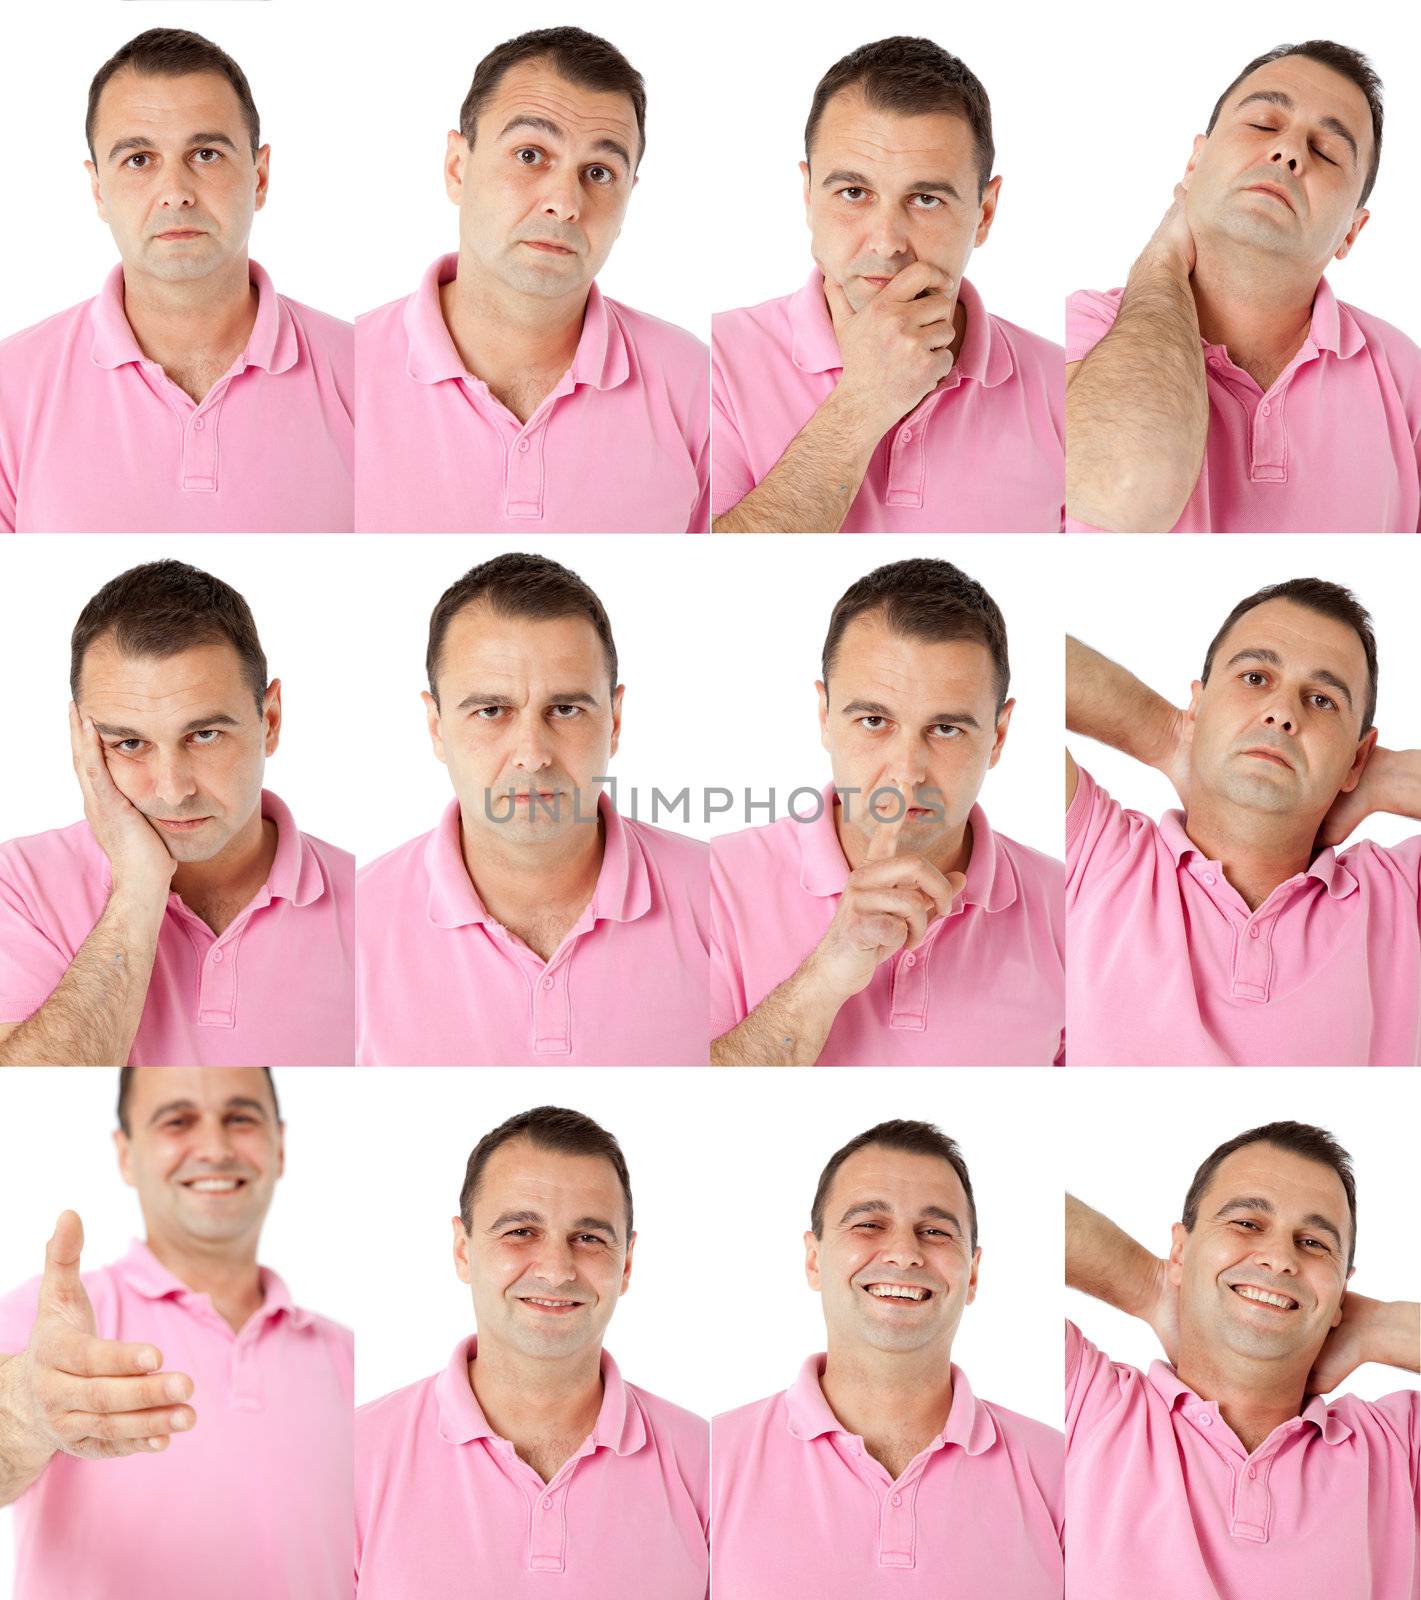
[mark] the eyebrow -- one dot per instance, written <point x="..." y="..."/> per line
<point x="219" y="719"/>
<point x="1276" y="97"/>
<point x="938" y="185"/>
<point x="874" y="708"/>
<point x="1259" y="1203"/>
<point x="136" y="143"/>
<point x="244" y="1102"/>
<point x="576" y="697"/>
<point x="869" y="1207"/>
<point x="508" y="1218"/>
<point x="1321" y="674"/>
<point x="547" y="125"/>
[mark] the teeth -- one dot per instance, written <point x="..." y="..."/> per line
<point x="896" y="1291"/>
<point x="213" y="1185"/>
<point x="1250" y="1293"/>
<point x="533" y="1300"/>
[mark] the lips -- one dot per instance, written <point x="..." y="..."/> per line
<point x="549" y="1305"/>
<point x="180" y="825"/>
<point x="550" y="247"/>
<point x="898" y="1293"/>
<point x="227" y="1185"/>
<point x="1266" y="753"/>
<point x="1271" y="1299"/>
<point x="1274" y="190"/>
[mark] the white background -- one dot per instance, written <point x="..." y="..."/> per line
<point x="1153" y="603"/>
<point x="1136" y="1144"/>
<point x="723" y="1169"/>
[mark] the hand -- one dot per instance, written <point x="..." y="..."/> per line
<point x="140" y="860"/>
<point x="1163" y="1315"/>
<point x="1173" y="240"/>
<point x="71" y="1391"/>
<point x="886" y="906"/>
<point x="1372" y="793"/>
<point x="898" y="348"/>
<point x="1388" y="1331"/>
<point x="1173" y="760"/>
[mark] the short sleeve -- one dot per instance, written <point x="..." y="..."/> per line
<point x="1086" y="1369"/>
<point x="1089" y="317"/>
<point x="31" y="963"/>
<point x="1097" y="830"/>
<point x="727" y="987"/>
<point x="731" y="476"/>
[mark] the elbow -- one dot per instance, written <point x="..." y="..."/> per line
<point x="1125" y="499"/>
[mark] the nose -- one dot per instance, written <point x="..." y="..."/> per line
<point x="1277" y="1254"/>
<point x="1282" y="715"/>
<point x="531" y="752"/>
<point x="562" y="195"/>
<point x="555" y="1265"/>
<point x="888" y="233"/>
<point x="178" y="192"/>
<point x="1286" y="153"/>
<point x="903" y="1248"/>
<point x="213" y="1143"/>
<point x="172" y="778"/>
<point x="908" y="764"/>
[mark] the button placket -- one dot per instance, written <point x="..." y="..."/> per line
<point x="898" y="1525"/>
<point x="200" y="443"/>
<point x="908" y="1004"/>
<point x="552" y="1011"/>
<point x="547" y="1536"/>
<point x="217" y="983"/>
<point x="1251" y="1502"/>
<point x="523" y="481"/>
<point x="907" y="464"/>
<point x="246" y="1384"/>
<point x="1268" y="450"/>
<point x="1253" y="958"/>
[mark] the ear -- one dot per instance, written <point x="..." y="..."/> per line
<point x="1359" y="762"/>
<point x="121" y="1145"/>
<point x="281" y="1149"/>
<point x="1200" y="140"/>
<point x="271" y="715"/>
<point x="1191" y="711"/>
<point x="804" y="173"/>
<point x="988" y="212"/>
<point x="617" y="694"/>
<point x="431" y="713"/>
<point x="1359" y="221"/>
<point x="823" y="713"/>
<point x="972" y="1281"/>
<point x="627" y="1265"/>
<point x="94" y="190"/>
<point x="263" y="166"/>
<point x="811" y="1260"/>
<point x="456" y="154"/>
<point x="1003" y="722"/>
<point x="1177" y="1235"/>
<point x="461" y="1250"/>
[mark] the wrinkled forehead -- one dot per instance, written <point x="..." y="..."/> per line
<point x="905" y="1183"/>
<point x="1303" y="639"/>
<point x="133" y="104"/>
<point x="589" y="118"/>
<point x="851" y="130"/>
<point x="485" y="649"/>
<point x="162" y="690"/>
<point x="209" y="1089"/>
<point x="1293" y="1185"/>
<point x="523" y="1178"/>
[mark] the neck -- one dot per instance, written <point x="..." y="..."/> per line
<point x="1257" y="851"/>
<point x="950" y="853"/>
<point x="525" y="1399"/>
<point x="226" y="1272"/>
<point x="173" y="320"/>
<point x="501" y="333"/>
<point x="874" y="1391"/>
<point x="236" y="872"/>
<point x="1251" y="304"/>
<point x="1253" y="1397"/>
<point x="515" y="877"/>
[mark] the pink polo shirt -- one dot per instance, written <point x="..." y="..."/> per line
<point x="985" y="988"/>
<point x="800" y="1508"/>
<point x="621" y="445"/>
<point x="1333" y="447"/>
<point x="275" y="988"/>
<point x="1169" y="967"/>
<point x="255" y="1501"/>
<point x="1164" y="1500"/>
<point x="96" y="438"/>
<point x="443" y="984"/>
<point x="983" y="455"/>
<point x="446" y="1510"/>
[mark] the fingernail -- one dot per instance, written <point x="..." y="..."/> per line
<point x="147" y="1361"/>
<point x="176" y="1387"/>
<point x="179" y="1420"/>
<point x="155" y="1444"/>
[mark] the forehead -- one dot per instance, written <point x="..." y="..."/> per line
<point x="502" y="651"/>
<point x="537" y="88"/>
<point x="1302" y="637"/>
<point x="521" y="1175"/>
<point x="873" y="662"/>
<point x="851" y="130"/>
<point x="906" y="1180"/>
<point x="209" y="1088"/>
<point x="1316" y="90"/>
<point x="1296" y="1185"/>
<point x="159" y="690"/>
<point x="132" y="104"/>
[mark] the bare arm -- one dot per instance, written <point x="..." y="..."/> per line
<point x="1105" y="1262"/>
<point x="1107" y="702"/>
<point x="1390" y="782"/>
<point x="1137" y="407"/>
<point x="23" y="1457"/>
<point x="787" y="1029"/>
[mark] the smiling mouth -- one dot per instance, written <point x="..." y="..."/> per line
<point x="1263" y="1297"/>
<point x="900" y="1293"/>
<point x="214" y="1185"/>
<point x="549" y="1305"/>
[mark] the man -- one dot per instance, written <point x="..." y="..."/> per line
<point x="188" y="396"/>
<point x="186" y="919"/>
<point x="893" y="926"/>
<point x="1225" y="388"/>
<point x="529" y="1463"/>
<point x="879" y="1473"/>
<point x="508" y="392"/>
<point x="1232" y="932"/>
<point x="509" y="934"/>
<point x="1227" y="1472"/>
<point x="882" y="396"/>
<point x="188" y="1352"/>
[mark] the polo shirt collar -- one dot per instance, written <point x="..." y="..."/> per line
<point x="991" y="881"/>
<point x="1333" y="327"/>
<point x="142" y="1271"/>
<point x="601" y="358"/>
<point x="968" y="1424"/>
<point x="1175" y="1392"/>
<point x="296" y="873"/>
<point x="620" y="1426"/>
<point x="622" y="894"/>
<point x="985" y="356"/>
<point x="1334" y="875"/>
<point x="271" y="345"/>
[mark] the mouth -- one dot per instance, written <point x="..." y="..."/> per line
<point x="1269" y="189"/>
<point x="181" y="233"/>
<point x="1280" y="1303"/>
<point x="548" y="1305"/>
<point x="540" y="796"/>
<point x="547" y="246"/>
<point x="217" y="1186"/>
<point x="908" y="1294"/>
<point x="1262" y="753"/>
<point x="187" y="826"/>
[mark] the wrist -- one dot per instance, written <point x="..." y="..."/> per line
<point x="138" y="900"/>
<point x="815" y="996"/>
<point x="858" y="419"/>
<point x="1163" y="258"/>
<point x="22" y="1450"/>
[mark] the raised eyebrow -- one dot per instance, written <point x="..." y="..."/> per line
<point x="547" y="125"/>
<point x="1276" y="97"/>
<point x="574" y="697"/>
<point x="865" y="708"/>
<point x="964" y="717"/>
<point x="194" y="140"/>
<point x="1321" y="674"/>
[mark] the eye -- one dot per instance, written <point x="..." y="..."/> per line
<point x="590" y="1238"/>
<point x="601" y="175"/>
<point x="852" y="193"/>
<point x="871" y="1226"/>
<point x="1328" y="159"/>
<point x="929" y="202"/>
<point x="528" y="155"/>
<point x="518" y="1233"/>
<point x="948" y="730"/>
<point x="1255" y="679"/>
<point x="1263" y="127"/>
<point x="1315" y="1244"/>
<point x="204" y="738"/>
<point x="488" y="713"/>
<point x="570" y="712"/>
<point x="1324" y="702"/>
<point x="871" y="724"/>
<point x="138" y="160"/>
<point x="206" y="151"/>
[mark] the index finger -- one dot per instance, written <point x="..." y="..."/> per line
<point x="83" y="1355"/>
<point x="921" y="874"/>
<point x="912" y="280"/>
<point x="883" y="841"/>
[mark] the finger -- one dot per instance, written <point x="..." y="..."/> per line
<point x="909" y="869"/>
<point x="112" y="1449"/>
<point x="883" y="841"/>
<point x="882" y="933"/>
<point x="61" y="1283"/>
<point x="105" y="1396"/>
<point x="905" y="902"/>
<point x="839" y="306"/>
<point x="912" y="280"/>
<point x="82" y="1355"/>
<point x="114" y="1426"/>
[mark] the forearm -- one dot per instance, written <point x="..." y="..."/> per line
<point x="23" y="1457"/>
<point x="1393" y="1331"/>
<point x="813" y="484"/>
<point x="1107" y="702"/>
<point x="1137" y="409"/>
<point x="787" y="1029"/>
<point x="1398" y="773"/>
<point x="92" y="1017"/>
<point x="1105" y="1262"/>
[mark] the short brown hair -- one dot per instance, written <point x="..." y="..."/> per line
<point x="125" y="1089"/>
<point x="1328" y="600"/>
<point x="1313" y="1144"/>
<point x="924" y="598"/>
<point x="914" y="1139"/>
<point x="555" y="1128"/>
<point x="580" y="57"/>
<point x="913" y="77"/>
<point x="1352" y="64"/>
<point x="173" y="53"/>
<point x="165" y="607"/>
<point x="518" y="585"/>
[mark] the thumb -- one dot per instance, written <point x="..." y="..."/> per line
<point x="61" y="1261"/>
<point x="839" y="307"/>
<point x="957" y="882"/>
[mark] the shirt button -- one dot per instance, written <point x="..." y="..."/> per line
<point x="548" y="1505"/>
<point x="1266" y="409"/>
<point x="1209" y="878"/>
<point x="1216" y="361"/>
<point x="523" y="446"/>
<point x="1205" y="1420"/>
<point x="1253" y="933"/>
<point x="910" y="961"/>
<point x="1252" y="1473"/>
<point x="897" y="1499"/>
<point x="547" y="983"/>
<point x="906" y="436"/>
<point x="217" y="955"/>
<point x="200" y="424"/>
